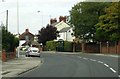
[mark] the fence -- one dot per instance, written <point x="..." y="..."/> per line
<point x="92" y="48"/>
<point x="110" y="47"/>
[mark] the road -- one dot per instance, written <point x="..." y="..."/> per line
<point x="76" y="65"/>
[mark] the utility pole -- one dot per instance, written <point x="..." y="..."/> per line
<point x="7" y="20"/>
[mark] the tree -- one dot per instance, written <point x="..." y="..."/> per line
<point x="9" y="41"/>
<point x="109" y="24"/>
<point x="84" y="16"/>
<point x="47" y="34"/>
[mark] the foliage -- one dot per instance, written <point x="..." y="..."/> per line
<point x="47" y="34"/>
<point x="9" y="41"/>
<point x="84" y="15"/>
<point x="51" y="45"/>
<point x="68" y="46"/>
<point x="108" y="27"/>
<point x="0" y="38"/>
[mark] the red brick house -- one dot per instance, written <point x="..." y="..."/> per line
<point x="27" y="37"/>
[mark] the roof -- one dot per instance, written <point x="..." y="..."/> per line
<point x="55" y="23"/>
<point x="22" y="36"/>
<point x="65" y="29"/>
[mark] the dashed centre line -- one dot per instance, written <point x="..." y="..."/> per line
<point x="112" y="70"/>
<point x="100" y="62"/>
<point x="85" y="58"/>
<point x="79" y="57"/>
<point x="92" y="60"/>
<point x="118" y="75"/>
<point x="106" y="65"/>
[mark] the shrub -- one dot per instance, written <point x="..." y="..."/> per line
<point x="68" y="46"/>
<point x="9" y="41"/>
<point x="51" y="45"/>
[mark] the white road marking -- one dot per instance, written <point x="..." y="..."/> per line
<point x="100" y="62"/>
<point x="106" y="65"/>
<point x="118" y="75"/>
<point x="113" y="70"/>
<point x="92" y="60"/>
<point x="85" y="58"/>
<point x="79" y="57"/>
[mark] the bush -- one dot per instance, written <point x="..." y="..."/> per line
<point x="9" y="41"/>
<point x="68" y="46"/>
<point x="51" y="45"/>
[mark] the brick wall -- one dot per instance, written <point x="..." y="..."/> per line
<point x="8" y="55"/>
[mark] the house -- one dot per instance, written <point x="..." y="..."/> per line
<point x="26" y="38"/>
<point x="65" y="30"/>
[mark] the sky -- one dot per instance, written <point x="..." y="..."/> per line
<point x="29" y="17"/>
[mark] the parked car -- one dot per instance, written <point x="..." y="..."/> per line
<point x="33" y="51"/>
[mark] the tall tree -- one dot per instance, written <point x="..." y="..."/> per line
<point x="47" y="34"/>
<point x="83" y="16"/>
<point x="109" y="24"/>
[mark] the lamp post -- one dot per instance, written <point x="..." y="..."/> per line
<point x="18" y="17"/>
<point x="18" y="53"/>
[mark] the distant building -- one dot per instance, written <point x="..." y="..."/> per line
<point x="65" y="30"/>
<point x="26" y="38"/>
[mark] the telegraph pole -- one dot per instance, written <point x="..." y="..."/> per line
<point x="7" y="20"/>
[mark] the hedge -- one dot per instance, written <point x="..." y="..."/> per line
<point x="68" y="46"/>
<point x="51" y="45"/>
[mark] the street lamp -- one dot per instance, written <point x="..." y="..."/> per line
<point x="18" y="53"/>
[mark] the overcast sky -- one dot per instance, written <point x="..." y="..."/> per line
<point x="30" y="18"/>
<point x="28" y="15"/>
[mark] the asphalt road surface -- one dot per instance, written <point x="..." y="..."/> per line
<point x="79" y="65"/>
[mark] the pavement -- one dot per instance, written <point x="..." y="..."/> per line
<point x="17" y="66"/>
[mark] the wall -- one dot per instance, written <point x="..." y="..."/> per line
<point x="61" y="25"/>
<point x="8" y="55"/>
<point x="69" y="36"/>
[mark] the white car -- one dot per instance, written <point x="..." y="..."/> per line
<point x="33" y="51"/>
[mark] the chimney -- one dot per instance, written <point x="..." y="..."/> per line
<point x="27" y="30"/>
<point x="62" y="18"/>
<point x="53" y="21"/>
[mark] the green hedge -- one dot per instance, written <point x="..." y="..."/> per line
<point x="68" y="46"/>
<point x="51" y="45"/>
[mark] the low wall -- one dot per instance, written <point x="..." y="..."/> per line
<point x="8" y="55"/>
